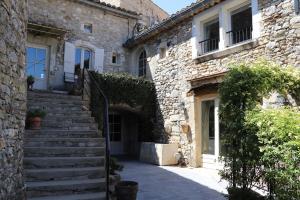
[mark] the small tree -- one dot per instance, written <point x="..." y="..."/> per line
<point x="242" y="90"/>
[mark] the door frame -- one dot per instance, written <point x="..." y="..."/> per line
<point x="198" y="128"/>
<point x="41" y="46"/>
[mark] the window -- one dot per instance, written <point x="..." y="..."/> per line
<point x="115" y="127"/>
<point x="116" y="58"/>
<point x="241" y="25"/>
<point x="142" y="63"/>
<point x="211" y="37"/>
<point x="83" y="59"/>
<point x="162" y="53"/>
<point x="297" y="6"/>
<point x="88" y="28"/>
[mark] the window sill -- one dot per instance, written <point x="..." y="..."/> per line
<point x="250" y="44"/>
<point x="115" y="65"/>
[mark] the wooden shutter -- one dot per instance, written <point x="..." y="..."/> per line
<point x="99" y="60"/>
<point x="69" y="62"/>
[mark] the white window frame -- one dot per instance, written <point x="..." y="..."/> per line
<point x="223" y="11"/>
<point x="83" y="49"/>
<point x="118" y="58"/>
<point x="87" y="24"/>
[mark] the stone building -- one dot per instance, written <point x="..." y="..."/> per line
<point x="185" y="55"/>
<point x="13" y="17"/>
<point x="188" y="54"/>
<point x="152" y="13"/>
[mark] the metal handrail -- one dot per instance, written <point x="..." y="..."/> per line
<point x="239" y="35"/>
<point x="209" y="45"/>
<point x="105" y="128"/>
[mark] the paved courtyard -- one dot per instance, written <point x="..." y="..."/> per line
<point x="174" y="183"/>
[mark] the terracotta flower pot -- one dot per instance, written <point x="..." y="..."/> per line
<point x="35" y="123"/>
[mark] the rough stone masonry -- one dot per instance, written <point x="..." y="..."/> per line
<point x="12" y="97"/>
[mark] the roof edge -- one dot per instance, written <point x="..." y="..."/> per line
<point x="110" y="8"/>
<point x="174" y="19"/>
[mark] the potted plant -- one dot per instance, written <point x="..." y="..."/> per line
<point x="30" y="82"/>
<point x="35" y="117"/>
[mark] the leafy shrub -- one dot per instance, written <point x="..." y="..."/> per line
<point x="136" y="93"/>
<point x="114" y="166"/>
<point x="279" y="134"/>
<point x="243" y="88"/>
<point x="243" y="194"/>
<point x="36" y="113"/>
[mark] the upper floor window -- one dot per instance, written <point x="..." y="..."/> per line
<point x="88" y="28"/>
<point x="162" y="52"/>
<point x="142" y="63"/>
<point x="211" y="37"/>
<point x="241" y="25"/>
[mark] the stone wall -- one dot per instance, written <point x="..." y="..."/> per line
<point x="279" y="42"/>
<point x="151" y="13"/>
<point x="110" y="31"/>
<point x="12" y="97"/>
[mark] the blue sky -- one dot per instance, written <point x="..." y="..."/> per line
<point x="171" y="6"/>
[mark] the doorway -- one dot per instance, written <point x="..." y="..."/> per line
<point x="36" y="65"/>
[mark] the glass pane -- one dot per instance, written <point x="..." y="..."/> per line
<point x="87" y="59"/>
<point x="41" y="56"/>
<point x="208" y="130"/>
<point x="78" y="57"/>
<point x="29" y="69"/>
<point x="30" y="54"/>
<point x="39" y="71"/>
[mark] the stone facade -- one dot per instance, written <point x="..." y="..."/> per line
<point x="109" y="32"/>
<point x="279" y="41"/>
<point x="13" y="19"/>
<point x="150" y="11"/>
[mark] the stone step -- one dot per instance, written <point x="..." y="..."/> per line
<point x="64" y="142"/>
<point x="68" y="126"/>
<point x="57" y="188"/>
<point x="52" y="102"/>
<point x="57" y="109"/>
<point x="62" y="133"/>
<point x="66" y="113"/>
<point x="62" y="162"/>
<point x="49" y="95"/>
<point x="63" y="151"/>
<point x="89" y="196"/>
<point x="59" y="174"/>
<point x="74" y="119"/>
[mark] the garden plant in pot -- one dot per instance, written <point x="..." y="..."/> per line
<point x="30" y="82"/>
<point x="34" y="118"/>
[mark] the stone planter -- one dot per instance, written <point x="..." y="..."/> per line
<point x="159" y="154"/>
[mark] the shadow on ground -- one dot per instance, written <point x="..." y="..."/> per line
<point x="173" y="183"/>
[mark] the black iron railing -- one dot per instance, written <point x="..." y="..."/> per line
<point x="105" y="125"/>
<point x="209" y="45"/>
<point x="238" y="36"/>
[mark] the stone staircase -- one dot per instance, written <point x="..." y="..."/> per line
<point x="65" y="159"/>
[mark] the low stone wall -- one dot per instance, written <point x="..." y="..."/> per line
<point x="12" y="97"/>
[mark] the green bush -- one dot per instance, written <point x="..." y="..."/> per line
<point x="243" y="194"/>
<point x="279" y="135"/>
<point x="243" y="88"/>
<point x="36" y="113"/>
<point x="137" y="93"/>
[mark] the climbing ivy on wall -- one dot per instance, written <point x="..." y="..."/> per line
<point x="241" y="92"/>
<point x="137" y="93"/>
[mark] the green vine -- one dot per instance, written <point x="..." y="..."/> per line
<point x="138" y="94"/>
<point x="243" y="88"/>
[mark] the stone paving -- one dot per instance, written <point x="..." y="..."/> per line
<point x="174" y="183"/>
